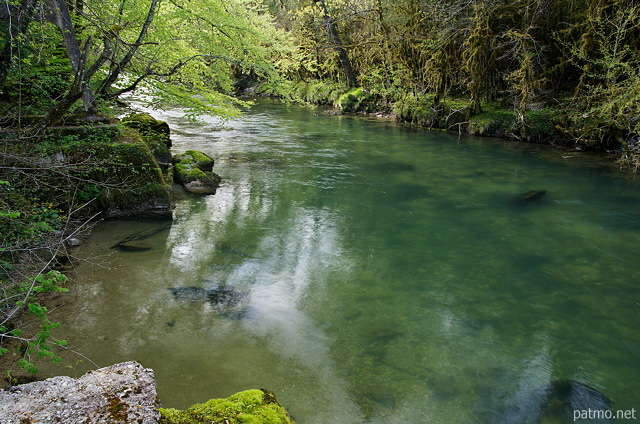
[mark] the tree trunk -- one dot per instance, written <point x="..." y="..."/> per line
<point x="337" y="44"/>
<point x="58" y="14"/>
<point x="18" y="23"/>
<point x="105" y="87"/>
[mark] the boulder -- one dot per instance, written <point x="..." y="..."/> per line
<point x="193" y="169"/>
<point x="145" y="123"/>
<point x="121" y="393"/>
<point x="155" y="133"/>
<point x="559" y="400"/>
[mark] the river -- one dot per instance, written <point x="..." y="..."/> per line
<point x="381" y="274"/>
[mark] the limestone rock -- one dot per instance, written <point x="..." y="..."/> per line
<point x="121" y="393"/>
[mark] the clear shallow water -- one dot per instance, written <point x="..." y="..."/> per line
<point x="385" y="274"/>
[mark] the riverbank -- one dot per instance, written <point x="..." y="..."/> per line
<point x="126" y="393"/>
<point x="540" y="123"/>
<point x="352" y="242"/>
<point x="54" y="187"/>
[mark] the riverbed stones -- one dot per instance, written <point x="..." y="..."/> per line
<point x="120" y="393"/>
<point x="193" y="169"/>
<point x="227" y="301"/>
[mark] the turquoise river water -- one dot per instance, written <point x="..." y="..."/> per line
<point x="381" y="274"/>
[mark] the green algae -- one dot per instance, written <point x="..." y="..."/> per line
<point x="248" y="407"/>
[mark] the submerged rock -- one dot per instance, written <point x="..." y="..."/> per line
<point x="228" y="302"/>
<point x="529" y="196"/>
<point x="189" y="293"/>
<point x="562" y="398"/>
<point x="382" y="398"/>
<point x="134" y="246"/>
<point x="134" y="243"/>
<point x="559" y="401"/>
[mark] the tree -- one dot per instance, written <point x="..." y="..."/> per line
<point x="183" y="51"/>
<point x="337" y="44"/>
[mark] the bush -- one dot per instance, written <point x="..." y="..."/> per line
<point x="542" y="126"/>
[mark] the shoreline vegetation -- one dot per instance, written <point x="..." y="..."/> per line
<point x="544" y="125"/>
<point x="564" y="73"/>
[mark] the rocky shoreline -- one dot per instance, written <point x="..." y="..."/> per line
<point x="136" y="154"/>
<point x="126" y="393"/>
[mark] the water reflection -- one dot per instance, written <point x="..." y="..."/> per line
<point x="379" y="274"/>
<point x="284" y="267"/>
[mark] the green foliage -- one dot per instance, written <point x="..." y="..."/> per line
<point x="249" y="407"/>
<point x="40" y="74"/>
<point x="186" y="52"/>
<point x="605" y="108"/>
<point x="88" y="192"/>
<point x="41" y="342"/>
<point x="317" y="92"/>
<point x="492" y="122"/>
<point x="542" y="126"/>
<point x="529" y="56"/>
<point x="24" y="222"/>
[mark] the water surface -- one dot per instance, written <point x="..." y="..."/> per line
<point x="386" y="275"/>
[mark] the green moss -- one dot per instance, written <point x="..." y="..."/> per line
<point x="422" y="110"/>
<point x="147" y="125"/>
<point x="156" y="134"/>
<point x="355" y="100"/>
<point x="193" y="165"/>
<point x="248" y="407"/>
<point x="115" y="174"/>
<point x="195" y="158"/>
<point x="492" y="122"/>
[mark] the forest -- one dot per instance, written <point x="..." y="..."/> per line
<point x="559" y="71"/>
<point x="550" y="71"/>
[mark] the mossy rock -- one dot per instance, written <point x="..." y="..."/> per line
<point x="155" y="133"/>
<point x="193" y="169"/>
<point x="356" y="100"/>
<point x="248" y="407"/>
<point x="193" y="157"/>
<point x="122" y="177"/>
<point x="145" y="123"/>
